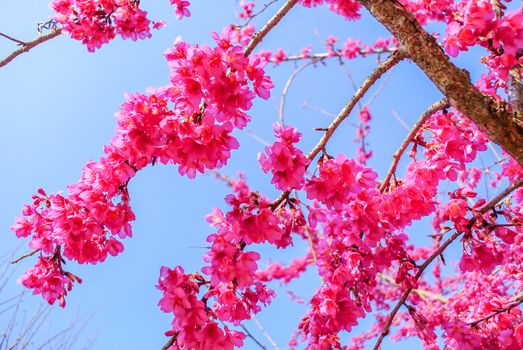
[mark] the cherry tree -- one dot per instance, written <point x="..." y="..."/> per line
<point x="356" y="221"/>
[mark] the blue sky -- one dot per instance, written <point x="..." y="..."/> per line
<point x="58" y="103"/>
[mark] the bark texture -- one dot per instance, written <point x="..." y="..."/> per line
<point x="491" y="116"/>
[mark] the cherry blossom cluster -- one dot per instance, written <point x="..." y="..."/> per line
<point x="235" y="289"/>
<point x="482" y="23"/>
<point x="194" y="325"/>
<point x="96" y="22"/>
<point x="349" y="9"/>
<point x="286" y="162"/>
<point x="188" y="123"/>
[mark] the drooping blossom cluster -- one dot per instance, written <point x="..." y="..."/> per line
<point x="482" y="23"/>
<point x="96" y="22"/>
<point x="349" y="9"/>
<point x="210" y="93"/>
<point x="286" y="162"/>
<point x="193" y="326"/>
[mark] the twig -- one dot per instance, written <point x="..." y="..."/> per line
<point x="258" y="37"/>
<point x="19" y="42"/>
<point x="265" y="7"/>
<point x="422" y="293"/>
<point x="512" y="305"/>
<point x="390" y="62"/>
<point x="249" y="334"/>
<point x="324" y="55"/>
<point x="437" y="106"/>
<point x="496" y="154"/>
<point x="400" y="120"/>
<point x="29" y="45"/>
<point x="288" y="85"/>
<point x="490" y="205"/>
<point x="26" y="255"/>
<point x="265" y="334"/>
<point x="170" y="342"/>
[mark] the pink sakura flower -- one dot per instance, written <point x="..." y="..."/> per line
<point x="509" y="33"/>
<point x="279" y="56"/>
<point x="348" y="9"/>
<point x="338" y="178"/>
<point x="351" y="48"/>
<point x="181" y="8"/>
<point x="462" y="335"/>
<point x="48" y="279"/>
<point x="96" y="24"/>
<point x="247" y="7"/>
<point x="286" y="162"/>
<point x="285" y="273"/>
<point x="306" y="51"/>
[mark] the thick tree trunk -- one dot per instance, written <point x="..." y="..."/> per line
<point x="490" y="115"/>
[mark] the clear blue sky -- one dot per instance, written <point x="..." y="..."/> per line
<point x="57" y="105"/>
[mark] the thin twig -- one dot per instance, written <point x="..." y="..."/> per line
<point x="400" y="120"/>
<point x="390" y="62"/>
<point x="437" y="106"/>
<point x="512" y="305"/>
<point x="26" y="255"/>
<point x="29" y="45"/>
<point x="170" y="342"/>
<point x="324" y="55"/>
<point x="265" y="334"/>
<point x="258" y="37"/>
<point x="265" y="7"/>
<point x="287" y="87"/>
<point x="249" y="334"/>
<point x="490" y="205"/>
<point x="422" y="293"/>
<point x="19" y="42"/>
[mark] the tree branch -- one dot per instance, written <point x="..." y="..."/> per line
<point x="436" y="106"/>
<point x="258" y="37"/>
<point x="491" y="116"/>
<point x="324" y="55"/>
<point x="490" y="205"/>
<point x="386" y="65"/>
<point x="287" y="87"/>
<point x="390" y="62"/>
<point x="26" y="46"/>
<point x="512" y="305"/>
<point x="26" y="255"/>
<point x="249" y="334"/>
<point x="19" y="42"/>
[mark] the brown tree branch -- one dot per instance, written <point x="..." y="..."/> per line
<point x="491" y="116"/>
<point x="26" y="255"/>
<point x="258" y="36"/>
<point x="512" y="305"/>
<point x="437" y="106"/>
<point x="490" y="205"/>
<point x="19" y="42"/>
<point x="26" y="46"/>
